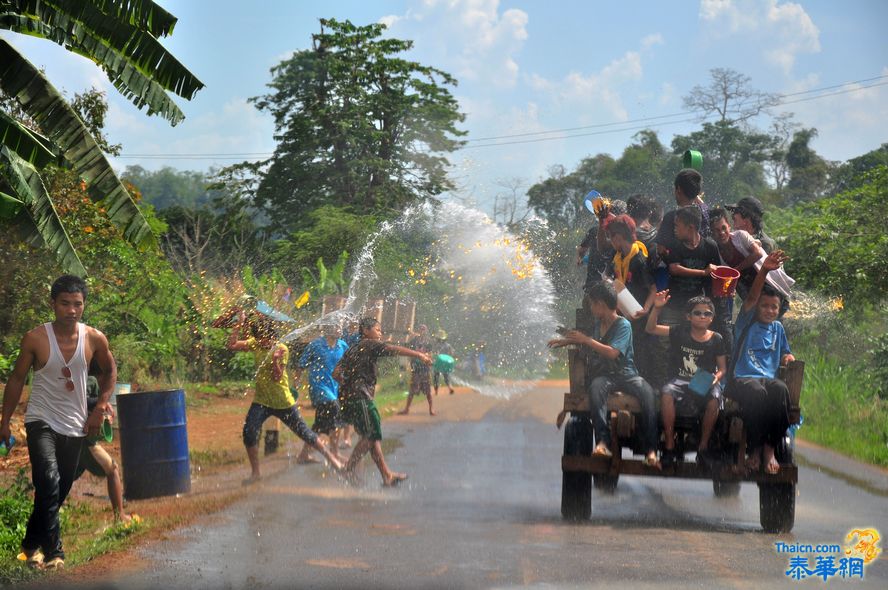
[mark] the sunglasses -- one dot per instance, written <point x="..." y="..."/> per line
<point x="66" y="373"/>
<point x="699" y="313"/>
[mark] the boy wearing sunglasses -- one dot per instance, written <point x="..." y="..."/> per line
<point x="698" y="362"/>
<point x="57" y="419"/>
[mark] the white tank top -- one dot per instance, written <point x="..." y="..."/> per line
<point x="51" y="402"/>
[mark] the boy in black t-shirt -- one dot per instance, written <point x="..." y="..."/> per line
<point x="697" y="363"/>
<point x="356" y="373"/>
<point x="691" y="260"/>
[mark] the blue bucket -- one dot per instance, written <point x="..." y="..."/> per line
<point x="154" y="444"/>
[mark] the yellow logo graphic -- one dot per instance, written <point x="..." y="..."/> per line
<point x="863" y="543"/>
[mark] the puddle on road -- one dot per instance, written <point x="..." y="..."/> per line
<point x="862" y="484"/>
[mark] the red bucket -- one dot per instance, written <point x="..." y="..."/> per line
<point x="724" y="281"/>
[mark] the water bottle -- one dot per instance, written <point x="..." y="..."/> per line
<point x="4" y="449"/>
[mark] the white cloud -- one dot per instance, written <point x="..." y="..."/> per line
<point x="651" y="40"/>
<point x="783" y="31"/>
<point x="600" y="90"/>
<point x="473" y="39"/>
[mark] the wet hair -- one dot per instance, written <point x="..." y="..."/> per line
<point x="656" y="213"/>
<point x="366" y="324"/>
<point x="622" y="225"/>
<point x="689" y="215"/>
<point x="754" y="219"/>
<point x="689" y="182"/>
<point x="604" y="292"/>
<point x="617" y="207"/>
<point x="718" y="213"/>
<point x="769" y="291"/>
<point x="68" y="284"/>
<point x="263" y="328"/>
<point x="640" y="207"/>
<point x="699" y="300"/>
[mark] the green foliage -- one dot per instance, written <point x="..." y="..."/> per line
<point x="15" y="507"/>
<point x="838" y="245"/>
<point x="839" y="411"/>
<point x="6" y="365"/>
<point x="357" y="126"/>
<point x="168" y="187"/>
<point x="877" y="357"/>
<point x="328" y="231"/>
<point x="326" y="281"/>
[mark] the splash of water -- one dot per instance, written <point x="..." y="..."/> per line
<point x="472" y="278"/>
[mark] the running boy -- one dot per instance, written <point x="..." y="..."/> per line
<point x="760" y="347"/>
<point x="693" y="347"/>
<point x="273" y="397"/>
<point x="612" y="342"/>
<point x="320" y="357"/>
<point x="357" y="375"/>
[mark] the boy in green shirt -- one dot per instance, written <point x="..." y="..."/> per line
<point x="273" y="397"/>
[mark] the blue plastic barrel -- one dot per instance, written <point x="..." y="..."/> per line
<point x="154" y="443"/>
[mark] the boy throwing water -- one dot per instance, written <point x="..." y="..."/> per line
<point x="273" y="397"/>
<point x="357" y="376"/>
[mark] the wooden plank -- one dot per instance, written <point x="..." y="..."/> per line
<point x="576" y="366"/>
<point x="794" y="376"/>
<point x="576" y="403"/>
<point x="685" y="470"/>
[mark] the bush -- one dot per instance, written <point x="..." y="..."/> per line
<point x="15" y="508"/>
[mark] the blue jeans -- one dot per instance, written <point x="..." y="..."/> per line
<point x="258" y="414"/>
<point x="54" y="459"/>
<point x="601" y="387"/>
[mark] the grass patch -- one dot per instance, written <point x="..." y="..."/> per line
<point x="84" y="531"/>
<point x="215" y="457"/>
<point x="840" y="409"/>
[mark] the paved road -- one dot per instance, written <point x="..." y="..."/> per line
<point x="482" y="510"/>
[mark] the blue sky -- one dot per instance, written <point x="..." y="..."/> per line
<point x="523" y="67"/>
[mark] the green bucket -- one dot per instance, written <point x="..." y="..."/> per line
<point x="692" y="159"/>
<point x="444" y="363"/>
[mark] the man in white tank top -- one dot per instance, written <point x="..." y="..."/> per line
<point x="56" y="420"/>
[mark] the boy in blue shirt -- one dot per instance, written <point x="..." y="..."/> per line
<point x="760" y="347"/>
<point x="320" y="358"/>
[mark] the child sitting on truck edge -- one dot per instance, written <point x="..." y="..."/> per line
<point x="692" y="347"/>
<point x="760" y="347"/>
<point x="611" y="342"/>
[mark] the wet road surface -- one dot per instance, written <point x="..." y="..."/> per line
<point x="482" y="509"/>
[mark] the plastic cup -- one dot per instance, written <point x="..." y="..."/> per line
<point x="724" y="281"/>
<point x="4" y="450"/>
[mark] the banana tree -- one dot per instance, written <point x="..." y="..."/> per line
<point x="120" y="36"/>
<point x="327" y="281"/>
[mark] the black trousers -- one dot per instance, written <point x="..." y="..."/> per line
<point x="54" y="459"/>
<point x="764" y="406"/>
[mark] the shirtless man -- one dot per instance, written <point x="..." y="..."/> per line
<point x="57" y="420"/>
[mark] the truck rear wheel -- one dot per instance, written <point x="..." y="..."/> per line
<point x="606" y="483"/>
<point x="725" y="489"/>
<point x="576" y="486"/>
<point x="777" y="500"/>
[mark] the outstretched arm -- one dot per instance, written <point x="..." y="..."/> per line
<point x="236" y="341"/>
<point x="577" y="338"/>
<point x="772" y="261"/>
<point x="403" y="351"/>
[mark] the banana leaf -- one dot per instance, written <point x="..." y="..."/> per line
<point x="135" y="86"/>
<point x="42" y="102"/>
<point x="10" y="207"/>
<point x="144" y="14"/>
<point x="82" y="20"/>
<point x="27" y="144"/>
<point x="25" y="181"/>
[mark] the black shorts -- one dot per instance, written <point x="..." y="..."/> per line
<point x="87" y="462"/>
<point x="328" y="417"/>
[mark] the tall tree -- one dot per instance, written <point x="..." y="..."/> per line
<point x="729" y="96"/>
<point x="356" y="125"/>
<point x="808" y="172"/>
<point x="121" y="37"/>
